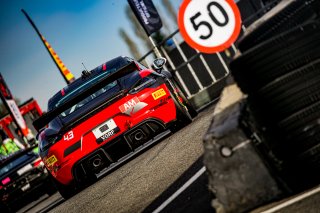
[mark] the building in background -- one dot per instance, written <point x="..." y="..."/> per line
<point x="30" y="111"/>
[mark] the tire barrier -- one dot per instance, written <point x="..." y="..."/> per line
<point x="293" y="14"/>
<point x="279" y="70"/>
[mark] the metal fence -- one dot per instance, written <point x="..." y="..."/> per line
<point x="197" y="72"/>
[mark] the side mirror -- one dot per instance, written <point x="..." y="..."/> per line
<point x="158" y="63"/>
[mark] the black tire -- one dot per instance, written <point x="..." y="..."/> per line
<point x="304" y="141"/>
<point x="294" y="14"/>
<point x="5" y="208"/>
<point x="311" y="158"/>
<point x="51" y="189"/>
<point x="282" y="41"/>
<point x="305" y="169"/>
<point x="192" y="111"/>
<point x="254" y="70"/>
<point x="301" y="119"/>
<point x="66" y="191"/>
<point x="183" y="116"/>
<point x="257" y="74"/>
<point x="289" y="93"/>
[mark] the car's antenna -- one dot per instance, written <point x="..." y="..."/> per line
<point x="84" y="67"/>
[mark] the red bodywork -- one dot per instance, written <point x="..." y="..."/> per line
<point x="157" y="104"/>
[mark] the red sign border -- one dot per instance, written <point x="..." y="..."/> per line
<point x="205" y="49"/>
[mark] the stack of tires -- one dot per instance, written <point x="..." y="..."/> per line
<point x="279" y="69"/>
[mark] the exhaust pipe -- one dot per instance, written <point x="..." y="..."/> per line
<point x="139" y="135"/>
<point x="96" y="162"/>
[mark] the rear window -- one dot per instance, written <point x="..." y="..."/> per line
<point x="15" y="163"/>
<point x="81" y="84"/>
<point x="99" y="97"/>
<point x="87" y="84"/>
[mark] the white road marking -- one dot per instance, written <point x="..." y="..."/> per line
<point x="292" y="201"/>
<point x="179" y="191"/>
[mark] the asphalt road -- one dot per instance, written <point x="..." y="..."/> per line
<point x="168" y="177"/>
<point x="138" y="185"/>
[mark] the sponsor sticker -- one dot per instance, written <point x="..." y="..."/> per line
<point x="51" y="160"/>
<point x="158" y="94"/>
<point x="129" y="104"/>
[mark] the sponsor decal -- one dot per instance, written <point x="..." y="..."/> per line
<point x="158" y="94"/>
<point x="129" y="104"/>
<point x="132" y="106"/>
<point x="51" y="160"/>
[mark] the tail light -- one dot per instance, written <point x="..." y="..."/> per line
<point x="5" y="181"/>
<point x="38" y="162"/>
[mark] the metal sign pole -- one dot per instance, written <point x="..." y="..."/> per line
<point x="156" y="50"/>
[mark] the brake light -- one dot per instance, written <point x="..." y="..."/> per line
<point x="137" y="66"/>
<point x="63" y="92"/>
<point x="37" y="162"/>
<point x="145" y="73"/>
<point x="5" y="181"/>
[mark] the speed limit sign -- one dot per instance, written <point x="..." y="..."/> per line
<point x="209" y="25"/>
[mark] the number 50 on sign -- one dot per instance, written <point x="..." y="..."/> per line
<point x="209" y="25"/>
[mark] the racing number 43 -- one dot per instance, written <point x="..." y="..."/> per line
<point x="68" y="136"/>
<point x="216" y="21"/>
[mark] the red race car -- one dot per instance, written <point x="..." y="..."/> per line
<point x="105" y="117"/>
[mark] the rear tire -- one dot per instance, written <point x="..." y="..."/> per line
<point x="50" y="187"/>
<point x="193" y="113"/>
<point x="5" y="208"/>
<point x="183" y="116"/>
<point x="66" y="191"/>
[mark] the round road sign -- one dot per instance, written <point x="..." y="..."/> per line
<point x="209" y="25"/>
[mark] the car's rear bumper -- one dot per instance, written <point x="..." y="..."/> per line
<point x="37" y="184"/>
<point x="119" y="150"/>
<point x="147" y="122"/>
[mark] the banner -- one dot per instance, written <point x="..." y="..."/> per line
<point x="67" y="75"/>
<point x="12" y="107"/>
<point x="147" y="15"/>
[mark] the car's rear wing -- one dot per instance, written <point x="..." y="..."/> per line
<point x="49" y="116"/>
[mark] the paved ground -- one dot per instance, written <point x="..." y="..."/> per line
<point x="169" y="177"/>
<point x="135" y="185"/>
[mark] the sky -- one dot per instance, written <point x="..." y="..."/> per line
<point x="80" y="31"/>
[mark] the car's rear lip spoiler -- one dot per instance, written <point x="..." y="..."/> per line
<point x="49" y="116"/>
